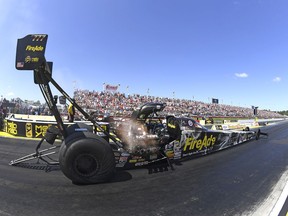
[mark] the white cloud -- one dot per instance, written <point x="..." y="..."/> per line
<point x="241" y="75"/>
<point x="277" y="79"/>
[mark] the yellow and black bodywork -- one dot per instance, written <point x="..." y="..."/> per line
<point x="174" y="137"/>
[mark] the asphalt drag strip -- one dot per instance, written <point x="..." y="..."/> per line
<point x="237" y="181"/>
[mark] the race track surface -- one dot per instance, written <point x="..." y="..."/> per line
<point x="237" y="181"/>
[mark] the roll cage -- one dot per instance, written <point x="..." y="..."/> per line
<point x="148" y="109"/>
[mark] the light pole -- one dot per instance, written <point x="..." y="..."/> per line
<point x="127" y="90"/>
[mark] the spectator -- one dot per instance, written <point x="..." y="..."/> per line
<point x="71" y="112"/>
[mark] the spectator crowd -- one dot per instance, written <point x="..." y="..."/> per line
<point x="119" y="104"/>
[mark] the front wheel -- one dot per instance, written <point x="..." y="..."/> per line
<point x="87" y="160"/>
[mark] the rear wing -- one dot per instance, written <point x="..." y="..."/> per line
<point x="30" y="55"/>
<point x="30" y="52"/>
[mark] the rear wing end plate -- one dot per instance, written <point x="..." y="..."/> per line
<point x="30" y="51"/>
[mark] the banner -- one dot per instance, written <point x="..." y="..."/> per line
<point x="108" y="87"/>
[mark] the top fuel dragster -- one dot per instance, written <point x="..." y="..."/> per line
<point x="92" y="153"/>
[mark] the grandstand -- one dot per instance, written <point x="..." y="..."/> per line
<point x="116" y="103"/>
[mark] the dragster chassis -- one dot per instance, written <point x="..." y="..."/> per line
<point x="89" y="154"/>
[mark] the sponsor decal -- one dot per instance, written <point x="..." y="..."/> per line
<point x="20" y="64"/>
<point x="38" y="37"/>
<point x="34" y="48"/>
<point x="198" y="144"/>
<point x="28" y="59"/>
<point x="132" y="161"/>
<point x="123" y="159"/>
<point x="190" y="123"/>
<point x="170" y="153"/>
<point x="136" y="159"/>
<point x="171" y="125"/>
<point x="28" y="127"/>
<point x="40" y="130"/>
<point x="124" y="154"/>
<point x="12" y="128"/>
<point x="177" y="150"/>
<point x="35" y="59"/>
<point x="173" y="149"/>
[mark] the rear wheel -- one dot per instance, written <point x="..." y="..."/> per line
<point x="87" y="160"/>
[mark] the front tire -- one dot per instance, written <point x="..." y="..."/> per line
<point x="87" y="160"/>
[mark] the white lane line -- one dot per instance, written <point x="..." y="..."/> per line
<point x="273" y="204"/>
<point x="280" y="203"/>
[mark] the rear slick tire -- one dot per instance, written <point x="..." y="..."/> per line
<point x="88" y="160"/>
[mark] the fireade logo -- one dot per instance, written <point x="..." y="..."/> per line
<point x="198" y="144"/>
<point x="34" y="48"/>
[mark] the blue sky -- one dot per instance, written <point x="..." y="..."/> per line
<point x="232" y="50"/>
